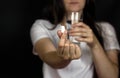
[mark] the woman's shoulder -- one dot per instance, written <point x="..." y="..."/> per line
<point x="107" y="28"/>
<point x="105" y="25"/>
<point x="42" y="23"/>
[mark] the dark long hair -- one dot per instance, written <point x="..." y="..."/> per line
<point x="55" y="11"/>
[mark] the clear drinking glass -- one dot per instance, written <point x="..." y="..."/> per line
<point x="75" y="18"/>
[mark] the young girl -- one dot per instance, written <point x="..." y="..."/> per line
<point x="97" y="48"/>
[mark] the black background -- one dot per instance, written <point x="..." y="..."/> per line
<point x="16" y="18"/>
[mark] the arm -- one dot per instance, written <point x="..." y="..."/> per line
<point x="60" y="57"/>
<point x="43" y="45"/>
<point x="106" y="63"/>
<point x="48" y="53"/>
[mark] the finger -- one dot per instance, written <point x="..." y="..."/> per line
<point x="60" y="51"/>
<point x="62" y="43"/>
<point x="66" y="50"/>
<point x="59" y="33"/>
<point x="77" y="52"/>
<point x="80" y="34"/>
<point x="88" y="40"/>
<point x="64" y="35"/>
<point x="81" y="24"/>
<point x="78" y="29"/>
<point x="63" y="39"/>
<point x="72" y="51"/>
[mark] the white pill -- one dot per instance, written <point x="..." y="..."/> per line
<point x="62" y="29"/>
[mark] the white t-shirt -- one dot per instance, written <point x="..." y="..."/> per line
<point x="80" y="68"/>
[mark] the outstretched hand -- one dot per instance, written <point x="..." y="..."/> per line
<point x="66" y="49"/>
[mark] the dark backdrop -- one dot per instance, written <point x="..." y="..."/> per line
<point x="16" y="18"/>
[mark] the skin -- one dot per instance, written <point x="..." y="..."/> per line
<point x="104" y="61"/>
<point x="60" y="57"/>
<point x="74" y="6"/>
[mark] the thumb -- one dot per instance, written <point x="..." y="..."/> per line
<point x="59" y="33"/>
<point x="62" y="35"/>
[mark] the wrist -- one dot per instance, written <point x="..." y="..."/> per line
<point x="95" y="44"/>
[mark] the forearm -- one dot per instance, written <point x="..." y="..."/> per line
<point x="104" y="67"/>
<point x="54" y="60"/>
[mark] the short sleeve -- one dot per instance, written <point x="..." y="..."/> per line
<point x="109" y="37"/>
<point x="37" y="32"/>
